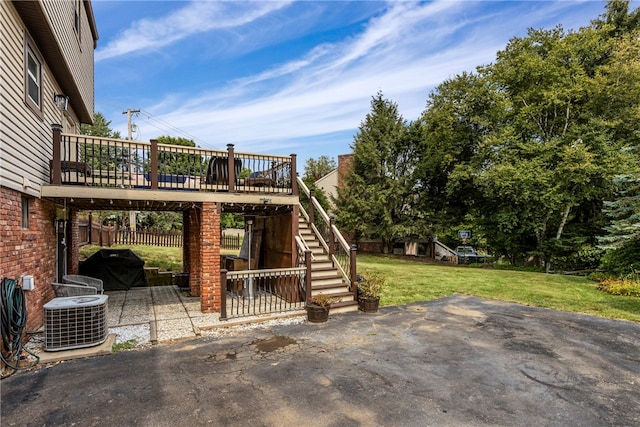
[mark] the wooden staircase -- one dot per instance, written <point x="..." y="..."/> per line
<point x="325" y="277"/>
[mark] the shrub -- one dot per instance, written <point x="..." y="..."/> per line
<point x="626" y="287"/>
<point x="623" y="260"/>
<point x="372" y="284"/>
<point x="324" y="300"/>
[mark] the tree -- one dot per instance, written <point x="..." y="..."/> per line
<point x="316" y="169"/>
<point x="618" y="20"/>
<point x="527" y="147"/>
<point x="449" y="136"/>
<point x="179" y="163"/>
<point x="313" y="171"/>
<point x="100" y="127"/>
<point x="551" y="156"/>
<point x="103" y="156"/>
<point x="372" y="201"/>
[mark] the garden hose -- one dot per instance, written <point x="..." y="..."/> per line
<point x="13" y="312"/>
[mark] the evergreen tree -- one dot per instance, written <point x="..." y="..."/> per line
<point x="373" y="202"/>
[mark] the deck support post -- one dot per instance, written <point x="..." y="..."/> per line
<point x="154" y="164"/>
<point x="223" y="294"/>
<point x="307" y="277"/>
<point x="294" y="176"/>
<point x="353" y="271"/>
<point x="231" y="168"/>
<point x="332" y="239"/>
<point x="312" y="209"/>
<point x="56" y="170"/>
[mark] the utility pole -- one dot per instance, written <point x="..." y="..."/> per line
<point x="130" y="125"/>
<point x="132" y="214"/>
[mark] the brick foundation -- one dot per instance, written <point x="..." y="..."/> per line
<point x="29" y="251"/>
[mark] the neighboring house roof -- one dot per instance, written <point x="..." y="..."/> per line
<point x="35" y="18"/>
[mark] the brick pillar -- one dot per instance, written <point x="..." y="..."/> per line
<point x="194" y="266"/>
<point x="73" y="248"/>
<point x="210" y="256"/>
<point x="186" y="242"/>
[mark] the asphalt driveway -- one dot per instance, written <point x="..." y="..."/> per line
<point x="454" y="361"/>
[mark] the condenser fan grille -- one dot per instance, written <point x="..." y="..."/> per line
<point x="75" y="322"/>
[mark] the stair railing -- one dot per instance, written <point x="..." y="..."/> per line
<point x="304" y="260"/>
<point x="341" y="254"/>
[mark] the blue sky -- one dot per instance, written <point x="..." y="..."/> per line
<point x="294" y="77"/>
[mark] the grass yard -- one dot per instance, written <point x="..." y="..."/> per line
<point x="166" y="259"/>
<point x="409" y="281"/>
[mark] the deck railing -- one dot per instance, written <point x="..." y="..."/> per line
<point x="257" y="292"/>
<point x="108" y="162"/>
<point x="342" y="255"/>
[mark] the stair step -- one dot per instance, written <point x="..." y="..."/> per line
<point x="338" y="294"/>
<point x="320" y="264"/>
<point x="343" y="307"/>
<point x="324" y="274"/>
<point x="321" y="281"/>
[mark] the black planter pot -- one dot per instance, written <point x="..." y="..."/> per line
<point x="317" y="313"/>
<point x="369" y="304"/>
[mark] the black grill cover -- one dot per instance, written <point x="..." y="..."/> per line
<point x="119" y="269"/>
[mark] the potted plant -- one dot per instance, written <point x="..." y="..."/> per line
<point x="318" y="308"/>
<point x="370" y="287"/>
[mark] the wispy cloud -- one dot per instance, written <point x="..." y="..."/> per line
<point x="328" y="89"/>
<point x="194" y="18"/>
<point x="295" y="105"/>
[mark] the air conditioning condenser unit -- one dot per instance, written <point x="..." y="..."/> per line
<point x="75" y="322"/>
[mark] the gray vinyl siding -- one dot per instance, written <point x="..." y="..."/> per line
<point x="26" y="137"/>
<point x="77" y="53"/>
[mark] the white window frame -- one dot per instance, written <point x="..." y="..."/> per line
<point x="32" y="77"/>
<point x="77" y="22"/>
<point x="25" y="213"/>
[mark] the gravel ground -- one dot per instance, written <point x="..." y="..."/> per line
<point x="139" y="335"/>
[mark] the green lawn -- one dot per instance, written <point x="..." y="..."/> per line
<point x="410" y="281"/>
<point x="166" y="259"/>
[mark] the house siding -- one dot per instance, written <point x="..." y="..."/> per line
<point x="26" y="138"/>
<point x="329" y="184"/>
<point x="77" y="51"/>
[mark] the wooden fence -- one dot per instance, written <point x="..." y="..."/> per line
<point x="108" y="235"/>
<point x="96" y="233"/>
<point x="231" y="241"/>
<point x="124" y="236"/>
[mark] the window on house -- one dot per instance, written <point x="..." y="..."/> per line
<point x="25" y="212"/>
<point x="34" y="77"/>
<point x="77" y="7"/>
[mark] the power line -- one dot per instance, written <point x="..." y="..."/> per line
<point x="169" y="126"/>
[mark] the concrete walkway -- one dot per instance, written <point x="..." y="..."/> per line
<point x="170" y="313"/>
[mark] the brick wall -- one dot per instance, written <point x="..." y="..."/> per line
<point x="73" y="247"/>
<point x="201" y="254"/>
<point x="29" y="251"/>
<point x="344" y="165"/>
<point x="186" y="261"/>
<point x="210" y="253"/>
<point x="194" y="227"/>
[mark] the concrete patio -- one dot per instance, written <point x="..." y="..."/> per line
<point x="152" y="315"/>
